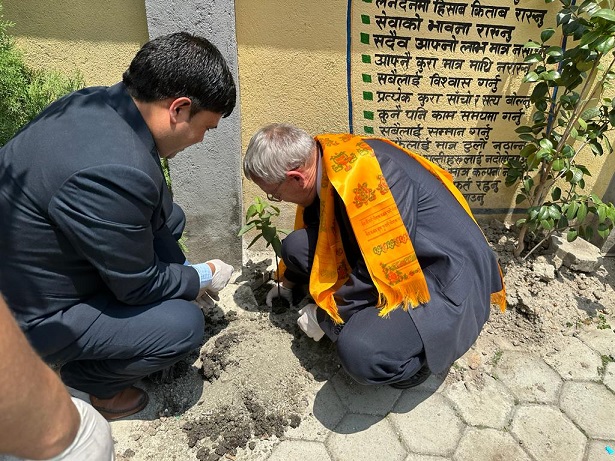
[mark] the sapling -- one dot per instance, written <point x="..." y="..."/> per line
<point x="259" y="218"/>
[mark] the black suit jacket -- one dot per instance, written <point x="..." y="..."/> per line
<point x="82" y="196"/>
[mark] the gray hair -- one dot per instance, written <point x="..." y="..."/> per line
<point x="276" y="149"/>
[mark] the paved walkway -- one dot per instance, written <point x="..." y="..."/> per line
<point x="557" y="406"/>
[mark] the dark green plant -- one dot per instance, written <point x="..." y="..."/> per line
<point x="572" y="113"/>
<point x="25" y="91"/>
<point x="259" y="218"/>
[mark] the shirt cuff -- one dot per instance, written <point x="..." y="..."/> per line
<point x="204" y="272"/>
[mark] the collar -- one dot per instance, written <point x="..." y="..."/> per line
<point x="126" y="108"/>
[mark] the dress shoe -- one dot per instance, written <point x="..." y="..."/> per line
<point x="125" y="403"/>
<point x="418" y="378"/>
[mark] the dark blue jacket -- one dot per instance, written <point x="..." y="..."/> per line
<point x="82" y="196"/>
<point x="460" y="268"/>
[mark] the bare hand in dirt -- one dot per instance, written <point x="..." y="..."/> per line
<point x="279" y="291"/>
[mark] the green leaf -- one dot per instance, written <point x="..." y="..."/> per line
<point x="531" y="44"/>
<point x="554" y="212"/>
<point x="559" y="164"/>
<point x="605" y="13"/>
<point x="277" y="247"/>
<point x="556" y="193"/>
<point x="540" y="91"/>
<point x="547" y="224"/>
<point x="601" y="213"/>
<point x="527" y="150"/>
<point x="254" y="240"/>
<point x="528" y="184"/>
<point x="582" y="213"/>
<point x="605" y="44"/>
<point x="571" y="212"/>
<point x="546" y="34"/>
<point x="603" y="231"/>
<point x="531" y="77"/>
<point x="246" y="228"/>
<point x="520" y="198"/>
<point x="532" y="58"/>
<point x="572" y="235"/>
<point x="269" y="233"/>
<point x="546" y="144"/>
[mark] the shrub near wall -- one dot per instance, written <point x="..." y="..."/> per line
<point x="24" y="91"/>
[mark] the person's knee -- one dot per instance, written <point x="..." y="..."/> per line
<point x="297" y="250"/>
<point x="184" y="326"/>
<point x="358" y="358"/>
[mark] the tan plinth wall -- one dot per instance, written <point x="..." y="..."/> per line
<point x="97" y="38"/>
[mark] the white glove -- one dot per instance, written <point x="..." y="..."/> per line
<point x="93" y="441"/>
<point x="284" y="293"/>
<point x="308" y="322"/>
<point x="221" y="277"/>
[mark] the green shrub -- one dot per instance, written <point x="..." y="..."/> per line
<point x="25" y="91"/>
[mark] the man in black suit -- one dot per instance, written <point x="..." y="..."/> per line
<point x="90" y="262"/>
<point x="401" y="275"/>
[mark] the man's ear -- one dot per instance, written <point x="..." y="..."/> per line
<point x="296" y="175"/>
<point x="179" y="110"/>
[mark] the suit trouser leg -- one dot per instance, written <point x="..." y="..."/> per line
<point x="127" y="343"/>
<point x="372" y="349"/>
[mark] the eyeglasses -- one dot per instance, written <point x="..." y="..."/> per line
<point x="273" y="196"/>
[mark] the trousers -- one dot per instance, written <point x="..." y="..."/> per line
<point x="126" y="343"/>
<point x="373" y="350"/>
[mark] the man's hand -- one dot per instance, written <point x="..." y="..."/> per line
<point x="308" y="322"/>
<point x="284" y="293"/>
<point x="221" y="275"/>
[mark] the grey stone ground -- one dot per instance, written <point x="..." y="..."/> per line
<point x="535" y="407"/>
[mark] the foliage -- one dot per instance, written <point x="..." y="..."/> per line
<point x="571" y="114"/>
<point x="258" y="217"/>
<point x="25" y="91"/>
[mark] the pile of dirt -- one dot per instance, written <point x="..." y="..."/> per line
<point x="254" y="375"/>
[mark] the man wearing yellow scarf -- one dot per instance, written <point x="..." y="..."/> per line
<point x="401" y="275"/>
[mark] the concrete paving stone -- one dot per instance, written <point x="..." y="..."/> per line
<point x="489" y="445"/>
<point x="364" y="438"/>
<point x="591" y="406"/>
<point x="609" y="376"/>
<point x="415" y="457"/>
<point x="547" y="434"/>
<point x="326" y="412"/>
<point x="369" y="400"/>
<point x="528" y="377"/>
<point x="299" y="449"/>
<point x="603" y="341"/>
<point x="575" y="360"/>
<point x="597" y="450"/>
<point x="488" y="404"/>
<point x="427" y="423"/>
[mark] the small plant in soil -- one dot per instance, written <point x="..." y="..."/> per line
<point x="259" y="216"/>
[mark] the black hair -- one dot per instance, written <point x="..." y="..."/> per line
<point x="182" y="65"/>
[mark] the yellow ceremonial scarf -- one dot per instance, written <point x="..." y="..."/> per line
<point x="350" y="166"/>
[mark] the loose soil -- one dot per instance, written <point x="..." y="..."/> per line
<point x="253" y="378"/>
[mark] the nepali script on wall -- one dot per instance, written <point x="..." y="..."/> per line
<point x="444" y="79"/>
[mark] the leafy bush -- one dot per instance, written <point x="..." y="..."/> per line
<point x="25" y="91"/>
<point x="572" y="113"/>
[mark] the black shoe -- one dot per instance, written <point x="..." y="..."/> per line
<point x="418" y="378"/>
